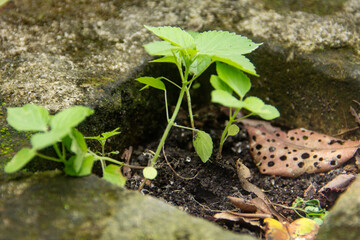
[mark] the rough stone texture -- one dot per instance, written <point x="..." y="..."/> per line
<point x="343" y="221"/>
<point x="49" y="205"/>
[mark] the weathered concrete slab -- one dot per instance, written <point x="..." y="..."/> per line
<point x="52" y="206"/>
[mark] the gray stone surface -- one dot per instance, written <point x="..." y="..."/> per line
<point x="49" y="205"/>
<point x="343" y="221"/>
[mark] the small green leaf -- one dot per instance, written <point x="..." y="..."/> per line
<point x="269" y="112"/>
<point x="21" y="158"/>
<point x="203" y="145"/>
<point x="70" y="117"/>
<point x="234" y="78"/>
<point x="174" y="35"/>
<point x="46" y="139"/>
<point x="152" y="82"/>
<point x="84" y="170"/>
<point x="233" y="130"/>
<point x="196" y="85"/>
<point x="160" y="48"/>
<point x="166" y="59"/>
<point x="30" y="117"/>
<point x="79" y="148"/>
<point x="112" y="133"/>
<point x="238" y="61"/>
<point x="219" y="84"/>
<point x="150" y="173"/>
<point x="225" y="99"/>
<point x="200" y="64"/>
<point x="254" y="104"/>
<point x="113" y="174"/>
<point x="257" y="106"/>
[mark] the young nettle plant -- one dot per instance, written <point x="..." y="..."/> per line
<point x="193" y="53"/>
<point x="231" y="85"/>
<point x="69" y="144"/>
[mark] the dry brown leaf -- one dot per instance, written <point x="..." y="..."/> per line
<point x="243" y="205"/>
<point x="296" y="152"/>
<point x="251" y="218"/>
<point x="262" y="202"/>
<point x="339" y="183"/>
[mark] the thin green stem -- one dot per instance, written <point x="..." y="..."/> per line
<point x="170" y="124"/>
<point x="188" y="98"/>
<point x="57" y="150"/>
<point x="49" y="158"/>
<point x="166" y="106"/>
<point x="225" y="132"/>
<point x="170" y="82"/>
<point x="188" y="128"/>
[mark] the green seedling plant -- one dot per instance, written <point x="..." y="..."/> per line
<point x="69" y="144"/>
<point x="311" y="208"/>
<point x="193" y="53"/>
<point x="231" y="85"/>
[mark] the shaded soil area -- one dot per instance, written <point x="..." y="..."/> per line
<point x="202" y="189"/>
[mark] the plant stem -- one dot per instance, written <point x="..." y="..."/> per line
<point x="57" y="150"/>
<point x="170" y="123"/>
<point x="50" y="158"/>
<point x="190" y="110"/>
<point x="225" y="132"/>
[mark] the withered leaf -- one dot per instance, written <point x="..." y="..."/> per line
<point x="298" y="151"/>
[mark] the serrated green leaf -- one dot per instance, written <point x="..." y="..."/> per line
<point x="225" y="99"/>
<point x="193" y="34"/>
<point x="30" y="117"/>
<point x="20" y="159"/>
<point x="199" y="64"/>
<point x="234" y="78"/>
<point x="217" y="42"/>
<point x="218" y="84"/>
<point x="152" y="82"/>
<point x="113" y="174"/>
<point x="160" y="48"/>
<point x="203" y="145"/>
<point x="233" y="130"/>
<point x="166" y="59"/>
<point x="70" y="117"/>
<point x="228" y="48"/>
<point x="43" y="140"/>
<point x="112" y="133"/>
<point x="174" y="35"/>
<point x="150" y="173"/>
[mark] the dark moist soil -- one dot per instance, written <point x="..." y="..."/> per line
<point x="202" y="189"/>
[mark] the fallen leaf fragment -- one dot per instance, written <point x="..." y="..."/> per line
<point x="302" y="228"/>
<point x="340" y="182"/>
<point x="296" y="152"/>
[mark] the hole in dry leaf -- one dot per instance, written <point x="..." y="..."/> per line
<point x="264" y="157"/>
<point x="316" y="164"/>
<point x="258" y="146"/>
<point x="254" y="138"/>
<point x="272" y="149"/>
<point x="338" y="156"/>
<point x="301" y="164"/>
<point x="305" y="137"/>
<point x="272" y="156"/>
<point x="320" y="159"/>
<point x="295" y="158"/>
<point x="270" y="164"/>
<point x="333" y="162"/>
<point x="305" y="155"/>
<point x="315" y="156"/>
<point x="292" y="138"/>
<point x="283" y="158"/>
<point x="278" y="134"/>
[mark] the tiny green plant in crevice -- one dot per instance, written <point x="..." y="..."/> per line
<point x="193" y="53"/>
<point x="69" y="144"/>
<point x="231" y="85"/>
